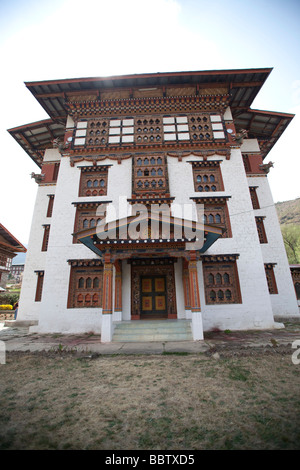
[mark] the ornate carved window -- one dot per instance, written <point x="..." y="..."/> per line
<point x="216" y="213"/>
<point x="39" y="286"/>
<point x="261" y="229"/>
<point x="200" y="127"/>
<point x="97" y="132"/>
<point x="100" y="132"/>
<point x="85" y="288"/>
<point x="148" y="130"/>
<point x="254" y="197"/>
<point x="221" y="283"/>
<point x="207" y="176"/>
<point x="269" y="269"/>
<point x="150" y="178"/>
<point x="88" y="215"/>
<point x="93" y="181"/>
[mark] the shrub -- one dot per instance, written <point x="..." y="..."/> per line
<point x="6" y="307"/>
<point x="9" y="298"/>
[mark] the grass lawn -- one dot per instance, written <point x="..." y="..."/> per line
<point x="163" y="402"/>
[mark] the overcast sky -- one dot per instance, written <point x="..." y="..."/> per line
<point x="57" y="39"/>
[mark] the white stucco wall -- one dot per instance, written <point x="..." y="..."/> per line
<point x="284" y="303"/>
<point x="255" y="311"/>
<point x="35" y="258"/>
<point x="54" y="314"/>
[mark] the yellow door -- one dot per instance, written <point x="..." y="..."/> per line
<point x="153" y="298"/>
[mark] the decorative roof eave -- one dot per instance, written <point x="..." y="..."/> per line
<point x="93" y="240"/>
<point x="265" y="126"/>
<point x="13" y="244"/>
<point x="242" y="85"/>
<point x="125" y="151"/>
<point x="120" y="107"/>
<point x="36" y="137"/>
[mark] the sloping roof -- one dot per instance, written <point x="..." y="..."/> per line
<point x="242" y="86"/>
<point x="265" y="126"/>
<point x="107" y="233"/>
<point x="34" y="138"/>
<point x="12" y="242"/>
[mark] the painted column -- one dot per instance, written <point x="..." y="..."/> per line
<point x="194" y="286"/>
<point x="118" y="291"/>
<point x="107" y="324"/>
<point x="197" y="326"/>
<point x="186" y="288"/>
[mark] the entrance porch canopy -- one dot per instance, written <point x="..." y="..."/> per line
<point x="143" y="235"/>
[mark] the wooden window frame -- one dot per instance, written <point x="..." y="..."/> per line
<point x="93" y="173"/>
<point x="46" y="237"/>
<point x="88" y="211"/>
<point x="6" y="260"/>
<point x="55" y="171"/>
<point x="254" y="198"/>
<point x="207" y="169"/>
<point x="261" y="229"/>
<point x="50" y="205"/>
<point x="39" y="286"/>
<point x="246" y="163"/>
<point x="123" y="132"/>
<point x="86" y="293"/>
<point x="172" y="127"/>
<point x="220" y="275"/>
<point x="216" y="205"/>
<point x="146" y="164"/>
<point x="270" y="276"/>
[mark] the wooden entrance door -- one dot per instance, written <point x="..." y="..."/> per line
<point x="153" y="296"/>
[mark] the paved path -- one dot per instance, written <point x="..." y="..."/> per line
<point x="19" y="339"/>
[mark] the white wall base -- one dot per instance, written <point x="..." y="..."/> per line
<point x="188" y="314"/>
<point x="117" y="316"/>
<point x="107" y="328"/>
<point x="197" y="326"/>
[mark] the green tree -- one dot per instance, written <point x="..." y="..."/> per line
<point x="291" y="238"/>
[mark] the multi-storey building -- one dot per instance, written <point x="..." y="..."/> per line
<point x="115" y="147"/>
<point x="9" y="247"/>
<point x="16" y="272"/>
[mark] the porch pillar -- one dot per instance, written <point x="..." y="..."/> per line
<point x="118" y="291"/>
<point x="197" y="326"/>
<point x="186" y="287"/>
<point x="107" y="324"/>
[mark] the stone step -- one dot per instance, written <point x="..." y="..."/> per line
<point x="156" y="330"/>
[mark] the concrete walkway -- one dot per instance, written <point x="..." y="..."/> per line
<point x="17" y="338"/>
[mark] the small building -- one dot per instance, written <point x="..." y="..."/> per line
<point x="17" y="267"/>
<point x="9" y="247"/>
<point x="153" y="203"/>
